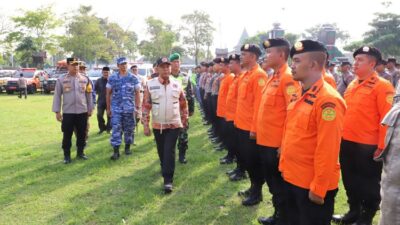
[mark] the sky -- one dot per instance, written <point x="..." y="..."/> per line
<point x="229" y="17"/>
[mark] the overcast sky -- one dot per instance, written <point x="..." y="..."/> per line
<point x="229" y="17"/>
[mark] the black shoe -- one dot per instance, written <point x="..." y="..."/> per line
<point x="366" y="217"/>
<point x="127" y="149"/>
<point x="82" y="156"/>
<point x="167" y="188"/>
<point x="267" y="220"/>
<point x="226" y="161"/>
<point x="245" y="193"/>
<point x="346" y="219"/>
<point x="232" y="172"/>
<point x="182" y="160"/>
<point x="108" y="131"/>
<point x="252" y="200"/>
<point x="67" y="160"/>
<point x="219" y="148"/>
<point x="238" y="176"/>
<point x="100" y="132"/>
<point x="115" y="155"/>
<point x="223" y="158"/>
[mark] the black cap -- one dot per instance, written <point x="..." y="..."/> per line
<point x="204" y="64"/>
<point x="345" y="63"/>
<point x="392" y="60"/>
<point x="251" y="48"/>
<point x="307" y="46"/>
<point x="224" y="60"/>
<point x="210" y="64"/>
<point x="367" y="50"/>
<point x="72" y="60"/>
<point x="234" y="57"/>
<point x="217" y="60"/>
<point x="134" y="66"/>
<point x="276" y="42"/>
<point x="163" y="60"/>
<point x="381" y="62"/>
<point x="106" y="68"/>
<point x="330" y="63"/>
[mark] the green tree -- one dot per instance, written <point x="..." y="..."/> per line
<point x="197" y="32"/>
<point x="161" y="40"/>
<point x="313" y="32"/>
<point x="292" y="38"/>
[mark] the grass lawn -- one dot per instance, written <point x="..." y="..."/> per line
<point x="37" y="188"/>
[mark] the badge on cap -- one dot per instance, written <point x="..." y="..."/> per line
<point x="298" y="46"/>
<point x="164" y="60"/>
<point x="366" y="49"/>
<point x="267" y="44"/>
<point x="246" y="46"/>
<point x="328" y="114"/>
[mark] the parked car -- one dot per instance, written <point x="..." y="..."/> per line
<point x="32" y="76"/>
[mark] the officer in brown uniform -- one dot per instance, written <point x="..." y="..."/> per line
<point x="73" y="96"/>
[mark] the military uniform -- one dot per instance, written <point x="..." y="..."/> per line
<point x="188" y="88"/>
<point x="73" y="97"/>
<point x="123" y="108"/>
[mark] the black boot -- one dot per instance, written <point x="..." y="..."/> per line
<point x="254" y="198"/>
<point x="350" y="217"/>
<point x="81" y="155"/>
<point x="182" y="156"/>
<point x="128" y="149"/>
<point x="115" y="155"/>
<point x="239" y="175"/>
<point x="67" y="156"/>
<point x="366" y="217"/>
<point x="275" y="219"/>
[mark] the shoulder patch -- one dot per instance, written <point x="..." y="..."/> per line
<point x="328" y="114"/>
<point x="261" y="82"/>
<point x="290" y="90"/>
<point x="389" y="97"/>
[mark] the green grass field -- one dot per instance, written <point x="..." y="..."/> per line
<point x="37" y="188"/>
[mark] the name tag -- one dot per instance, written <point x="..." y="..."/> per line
<point x="154" y="87"/>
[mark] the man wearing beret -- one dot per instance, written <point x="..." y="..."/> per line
<point x="393" y="71"/>
<point x="250" y="87"/>
<point x="381" y="70"/>
<point x="123" y="100"/>
<point x="368" y="98"/>
<point x="311" y="139"/>
<point x="165" y="99"/>
<point x="268" y="122"/>
<point x="187" y="86"/>
<point x="73" y="96"/>
<point x="345" y="78"/>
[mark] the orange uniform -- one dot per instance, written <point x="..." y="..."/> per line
<point x="329" y="79"/>
<point x="226" y="81"/>
<point x="311" y="139"/>
<point x="231" y="98"/>
<point x="368" y="102"/>
<point x="250" y="87"/>
<point x="270" y="116"/>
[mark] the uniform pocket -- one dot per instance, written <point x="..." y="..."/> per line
<point x="155" y="109"/>
<point x="66" y="87"/>
<point x="303" y="118"/>
<point x="176" y="108"/>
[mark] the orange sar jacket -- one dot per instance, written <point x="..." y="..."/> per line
<point x="231" y="98"/>
<point x="250" y="87"/>
<point x="311" y="139"/>
<point x="367" y="102"/>
<point x="226" y="81"/>
<point x="270" y="116"/>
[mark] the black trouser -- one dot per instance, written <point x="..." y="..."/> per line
<point x="69" y="122"/>
<point x="232" y="144"/>
<point x="22" y="91"/>
<point x="214" y="120"/>
<point x="222" y="131"/>
<point x="361" y="175"/>
<point x="207" y="107"/>
<point x="276" y="185"/>
<point x="100" y="118"/>
<point x="166" y="142"/>
<point x="201" y="98"/>
<point x="251" y="157"/>
<point x="301" y="211"/>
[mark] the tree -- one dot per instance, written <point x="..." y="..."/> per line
<point x="313" y="32"/>
<point x="197" y="32"/>
<point x="86" y="39"/>
<point x="161" y="40"/>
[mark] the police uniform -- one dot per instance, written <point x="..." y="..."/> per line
<point x="207" y="94"/>
<point x="380" y="69"/>
<point x="165" y="101"/>
<point x="268" y="122"/>
<point x="73" y="97"/>
<point x="250" y="87"/>
<point x="345" y="79"/>
<point x="123" y="108"/>
<point x="187" y="86"/>
<point x="368" y="101"/>
<point x="393" y="72"/>
<point x="310" y="147"/>
<point x="215" y="84"/>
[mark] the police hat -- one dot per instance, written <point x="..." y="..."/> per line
<point x="234" y="57"/>
<point x="251" y="48"/>
<point x="392" y="60"/>
<point x="82" y="64"/>
<point x="276" y="42"/>
<point x="106" y="68"/>
<point x="367" y="50"/>
<point x="72" y="60"/>
<point x="163" y="60"/>
<point x="224" y="60"/>
<point x="307" y="46"/>
<point x="122" y="60"/>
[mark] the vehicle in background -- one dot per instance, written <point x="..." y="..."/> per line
<point x="5" y="75"/>
<point x="94" y="74"/>
<point x="32" y="77"/>
<point x="145" y="69"/>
